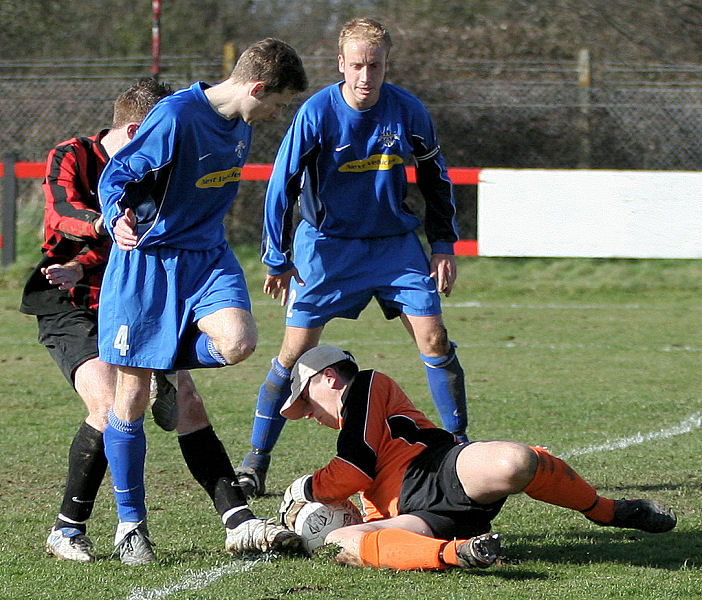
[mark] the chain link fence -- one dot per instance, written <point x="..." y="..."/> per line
<point x="487" y="113"/>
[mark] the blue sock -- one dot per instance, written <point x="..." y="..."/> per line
<point x="268" y="422"/>
<point x="125" y="448"/>
<point x="447" y="387"/>
<point x="197" y="351"/>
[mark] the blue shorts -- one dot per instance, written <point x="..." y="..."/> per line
<point x="149" y="298"/>
<point x="342" y="275"/>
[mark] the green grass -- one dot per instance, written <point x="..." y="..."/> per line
<point x="575" y="355"/>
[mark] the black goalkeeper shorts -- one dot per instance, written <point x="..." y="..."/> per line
<point x="70" y="337"/>
<point x="431" y="490"/>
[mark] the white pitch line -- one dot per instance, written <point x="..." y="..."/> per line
<point x="686" y="426"/>
<point x="195" y="581"/>
<point x="201" y="579"/>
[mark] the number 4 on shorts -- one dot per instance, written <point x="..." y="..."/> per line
<point x="122" y="340"/>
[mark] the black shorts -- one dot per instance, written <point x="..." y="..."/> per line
<point x="70" y="337"/>
<point x="431" y="490"/>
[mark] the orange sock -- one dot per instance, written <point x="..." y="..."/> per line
<point x="557" y="483"/>
<point x="404" y="550"/>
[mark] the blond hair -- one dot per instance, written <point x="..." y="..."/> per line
<point x="366" y="30"/>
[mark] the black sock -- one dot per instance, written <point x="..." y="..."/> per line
<point x="209" y="464"/>
<point x="230" y="503"/>
<point x="86" y="469"/>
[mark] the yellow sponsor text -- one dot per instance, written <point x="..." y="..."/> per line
<point x="219" y="178"/>
<point x="376" y="162"/>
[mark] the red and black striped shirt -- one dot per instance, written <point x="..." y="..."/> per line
<point x="70" y="184"/>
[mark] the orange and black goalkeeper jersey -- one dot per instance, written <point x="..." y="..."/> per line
<point x="70" y="184"/>
<point x="381" y="433"/>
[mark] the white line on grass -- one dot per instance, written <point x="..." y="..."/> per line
<point x="201" y="579"/>
<point x="686" y="426"/>
<point x="195" y="581"/>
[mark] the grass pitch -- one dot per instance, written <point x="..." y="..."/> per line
<point x="598" y="360"/>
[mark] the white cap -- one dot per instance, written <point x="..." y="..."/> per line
<point x="307" y="366"/>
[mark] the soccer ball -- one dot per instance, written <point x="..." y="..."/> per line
<point x="315" y="520"/>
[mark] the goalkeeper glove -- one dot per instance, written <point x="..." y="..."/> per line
<point x="297" y="494"/>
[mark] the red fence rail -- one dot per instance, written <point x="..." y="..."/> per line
<point x="251" y="172"/>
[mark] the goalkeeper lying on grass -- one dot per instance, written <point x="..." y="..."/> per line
<point x="429" y="500"/>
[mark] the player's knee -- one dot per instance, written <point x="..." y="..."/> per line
<point x="191" y="409"/>
<point x="232" y="332"/>
<point x="435" y="342"/>
<point x="97" y="419"/>
<point x="234" y="351"/>
<point x="347" y="541"/>
<point x="98" y="405"/>
<point x="515" y="463"/>
<point x="348" y="557"/>
<point x="191" y="413"/>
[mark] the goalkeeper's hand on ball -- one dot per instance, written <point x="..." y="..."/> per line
<point x="294" y="498"/>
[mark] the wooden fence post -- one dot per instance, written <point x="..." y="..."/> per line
<point x="228" y="58"/>
<point x="583" y="125"/>
<point x="9" y="216"/>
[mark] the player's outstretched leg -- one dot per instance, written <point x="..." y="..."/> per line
<point x="86" y="469"/>
<point x="447" y="386"/>
<point x="267" y="426"/>
<point x="209" y="464"/>
<point x="557" y="483"/>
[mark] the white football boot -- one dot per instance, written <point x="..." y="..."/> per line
<point x="135" y="547"/>
<point x="69" y="543"/>
<point x="262" y="535"/>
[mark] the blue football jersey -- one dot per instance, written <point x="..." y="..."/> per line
<point x="346" y="169"/>
<point x="179" y="191"/>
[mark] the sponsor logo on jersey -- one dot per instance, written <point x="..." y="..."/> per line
<point x="376" y="162"/>
<point x="219" y="178"/>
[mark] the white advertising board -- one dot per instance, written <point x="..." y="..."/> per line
<point x="578" y="213"/>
